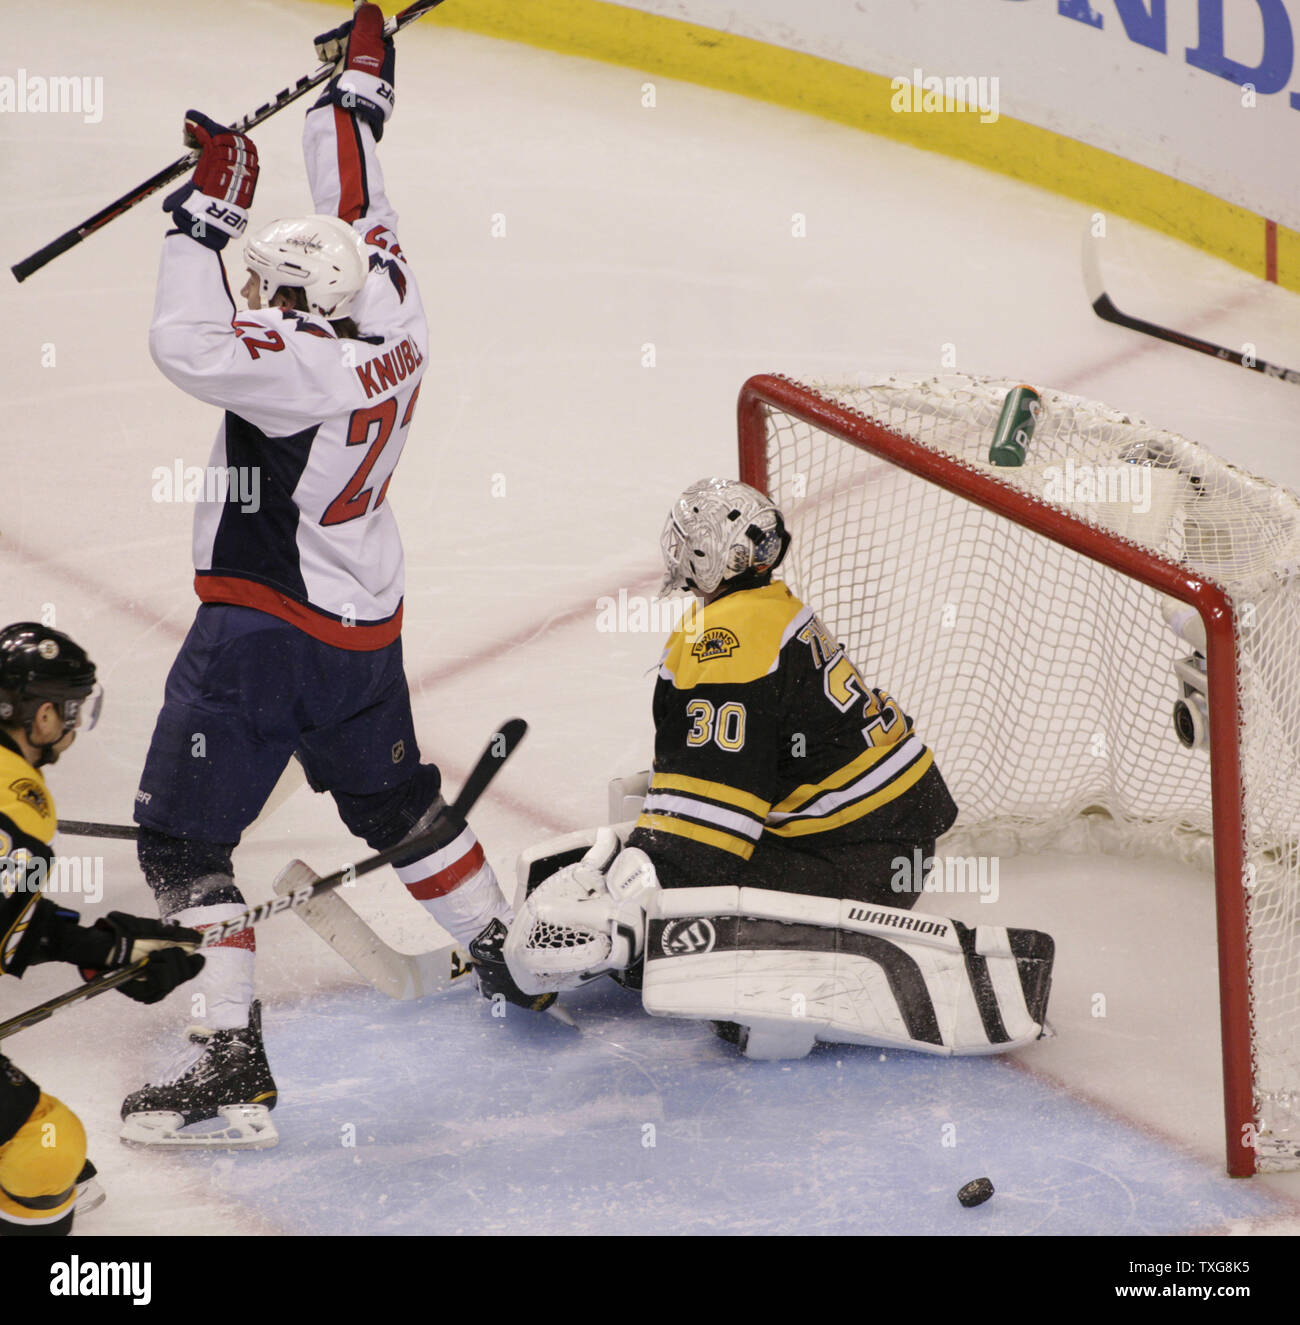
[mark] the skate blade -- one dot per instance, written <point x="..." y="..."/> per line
<point x="561" y="1015"/>
<point x="90" y="1196"/>
<point x="247" y="1127"/>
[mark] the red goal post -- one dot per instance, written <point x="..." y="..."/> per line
<point x="774" y="409"/>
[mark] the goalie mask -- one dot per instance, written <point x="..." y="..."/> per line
<point x="320" y="255"/>
<point x="719" y="530"/>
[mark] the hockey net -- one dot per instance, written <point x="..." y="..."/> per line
<point x="1031" y="619"/>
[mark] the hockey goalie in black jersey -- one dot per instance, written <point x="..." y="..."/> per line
<point x="776" y="765"/>
<point x="766" y="883"/>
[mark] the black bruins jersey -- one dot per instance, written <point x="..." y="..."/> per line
<point x="27" y="825"/>
<point x="766" y="732"/>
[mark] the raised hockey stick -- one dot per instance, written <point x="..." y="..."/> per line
<point x="70" y="238"/>
<point x="1105" y="309"/>
<point x="498" y="750"/>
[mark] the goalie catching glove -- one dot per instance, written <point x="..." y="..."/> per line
<point x="583" y="922"/>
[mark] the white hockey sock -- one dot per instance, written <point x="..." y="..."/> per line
<point x="219" y="996"/>
<point x="456" y="885"/>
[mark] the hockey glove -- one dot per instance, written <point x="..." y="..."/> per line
<point x="118" y="939"/>
<point x="364" y="83"/>
<point x="213" y="206"/>
<point x="488" y="951"/>
<point x="166" y="968"/>
<point x="128" y="938"/>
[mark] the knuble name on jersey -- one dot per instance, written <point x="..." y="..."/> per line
<point x="391" y="367"/>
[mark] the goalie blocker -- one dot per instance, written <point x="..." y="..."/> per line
<point x="778" y="971"/>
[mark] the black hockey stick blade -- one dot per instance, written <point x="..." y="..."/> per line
<point x="285" y="97"/>
<point x="1104" y="307"/>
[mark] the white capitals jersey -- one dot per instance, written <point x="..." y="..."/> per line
<point x="297" y="525"/>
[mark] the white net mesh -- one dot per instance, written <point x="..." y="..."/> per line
<point x="1044" y="680"/>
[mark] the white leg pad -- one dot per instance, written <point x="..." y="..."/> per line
<point x="800" y="969"/>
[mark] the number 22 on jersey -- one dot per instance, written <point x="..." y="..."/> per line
<point x="371" y="427"/>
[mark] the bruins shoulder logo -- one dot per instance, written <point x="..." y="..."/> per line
<point x="29" y="792"/>
<point x="716" y="642"/>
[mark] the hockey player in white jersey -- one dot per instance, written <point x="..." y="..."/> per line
<point x="767" y="882"/>
<point x="296" y="647"/>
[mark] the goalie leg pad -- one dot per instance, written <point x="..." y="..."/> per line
<point x="795" y="970"/>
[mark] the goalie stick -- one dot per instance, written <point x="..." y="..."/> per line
<point x="286" y="96"/>
<point x="498" y="750"/>
<point x="1105" y="309"/>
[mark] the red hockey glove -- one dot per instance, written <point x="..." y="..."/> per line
<point x="213" y="206"/>
<point x="364" y="84"/>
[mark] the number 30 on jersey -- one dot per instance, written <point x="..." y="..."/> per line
<point x="724" y="726"/>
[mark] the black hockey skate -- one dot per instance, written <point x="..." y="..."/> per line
<point x="225" y="1076"/>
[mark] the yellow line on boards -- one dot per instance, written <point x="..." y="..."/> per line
<point x="672" y="48"/>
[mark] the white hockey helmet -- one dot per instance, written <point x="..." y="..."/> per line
<point x="321" y="255"/>
<point x="719" y="529"/>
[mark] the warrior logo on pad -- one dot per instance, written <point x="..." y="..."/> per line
<point x="686" y="938"/>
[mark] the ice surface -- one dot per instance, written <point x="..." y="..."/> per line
<point x="626" y="228"/>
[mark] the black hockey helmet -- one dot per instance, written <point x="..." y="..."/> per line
<point x="38" y="666"/>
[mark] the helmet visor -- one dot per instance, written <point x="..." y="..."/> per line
<point x="83" y="710"/>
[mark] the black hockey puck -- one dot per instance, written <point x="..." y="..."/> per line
<point x="975" y="1192"/>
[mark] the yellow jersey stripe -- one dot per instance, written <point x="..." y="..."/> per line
<point x="905" y="781"/>
<point x="714" y="837"/>
<point x="842" y="775"/>
<point x="716" y="791"/>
